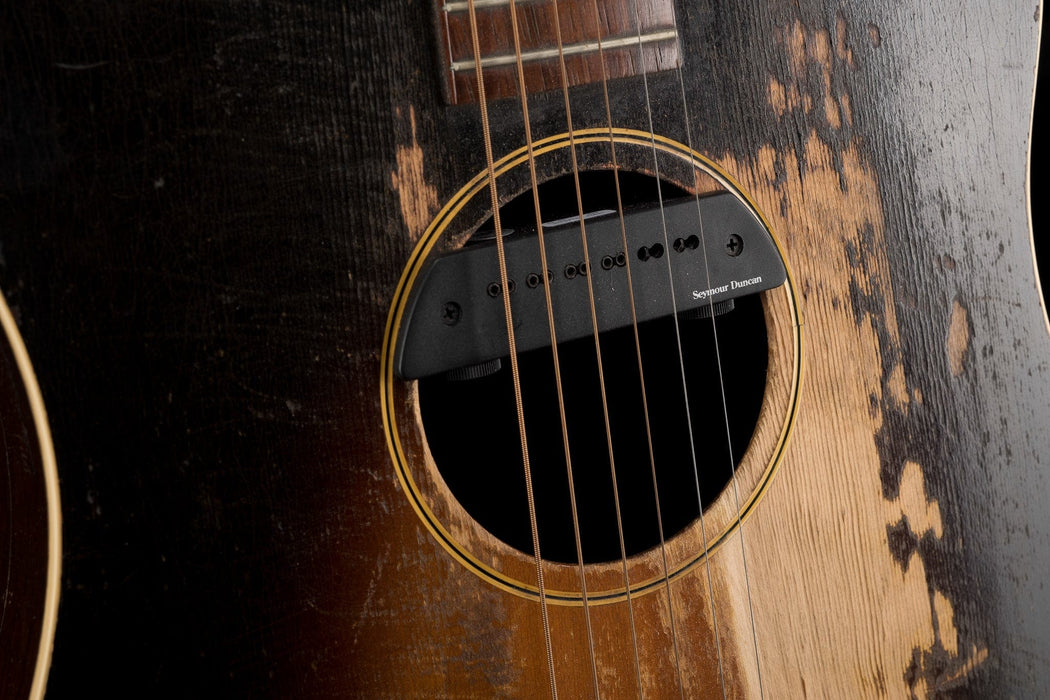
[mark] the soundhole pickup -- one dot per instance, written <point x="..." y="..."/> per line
<point x="690" y="256"/>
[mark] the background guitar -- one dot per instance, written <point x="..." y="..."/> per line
<point x="205" y="214"/>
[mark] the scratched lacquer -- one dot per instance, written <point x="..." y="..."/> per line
<point x="217" y="220"/>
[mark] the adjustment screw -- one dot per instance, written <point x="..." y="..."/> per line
<point x="607" y="262"/>
<point x="678" y="245"/>
<point x="571" y="271"/>
<point x="735" y="245"/>
<point x="532" y="280"/>
<point x="451" y="312"/>
<point x="494" y="289"/>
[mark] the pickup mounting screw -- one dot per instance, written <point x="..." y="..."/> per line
<point x="451" y="312"/>
<point x="735" y="245"/>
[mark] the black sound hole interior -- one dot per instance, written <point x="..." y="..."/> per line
<point x="472" y="426"/>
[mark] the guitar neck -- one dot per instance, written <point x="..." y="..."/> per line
<point x="623" y="39"/>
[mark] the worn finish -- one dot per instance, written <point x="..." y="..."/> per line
<point x="206" y="209"/>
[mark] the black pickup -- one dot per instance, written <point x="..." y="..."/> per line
<point x="455" y="318"/>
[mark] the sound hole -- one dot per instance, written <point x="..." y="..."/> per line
<point x="472" y="426"/>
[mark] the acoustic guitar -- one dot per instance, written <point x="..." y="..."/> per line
<point x="531" y="348"/>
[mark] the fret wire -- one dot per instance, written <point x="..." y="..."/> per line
<point x="569" y="50"/>
<point x="462" y="5"/>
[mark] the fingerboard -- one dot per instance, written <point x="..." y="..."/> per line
<point x="599" y="39"/>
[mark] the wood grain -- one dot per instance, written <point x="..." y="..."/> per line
<point x="207" y="209"/>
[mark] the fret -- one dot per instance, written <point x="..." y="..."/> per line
<point x="569" y="50"/>
<point x="609" y="43"/>
<point x="463" y="5"/>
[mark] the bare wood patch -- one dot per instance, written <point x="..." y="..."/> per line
<point x="418" y="198"/>
<point x="959" y="334"/>
<point x="835" y="551"/>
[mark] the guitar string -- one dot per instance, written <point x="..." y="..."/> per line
<point x="637" y="338"/>
<point x="575" y="168"/>
<point x="594" y="315"/>
<point x="516" y="378"/>
<point x="641" y="372"/>
<point x="681" y="356"/>
<point x="725" y="409"/>
<point x="545" y="272"/>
